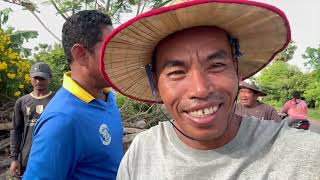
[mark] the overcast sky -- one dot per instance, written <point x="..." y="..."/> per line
<point x="304" y="18"/>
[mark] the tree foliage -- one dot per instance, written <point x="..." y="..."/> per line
<point x="287" y="53"/>
<point x="65" y="8"/>
<point x="14" y="65"/>
<point x="280" y="79"/>
<point x="14" y="71"/>
<point x="312" y="55"/>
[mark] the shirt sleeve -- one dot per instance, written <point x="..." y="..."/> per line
<point x="17" y="130"/>
<point x="274" y="115"/>
<point x="285" y="108"/>
<point x="125" y="170"/>
<point x="53" y="153"/>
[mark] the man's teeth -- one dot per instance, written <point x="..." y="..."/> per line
<point x="204" y="112"/>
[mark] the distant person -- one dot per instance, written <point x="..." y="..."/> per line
<point x="249" y="104"/>
<point x="27" y="111"/>
<point x="79" y="136"/>
<point x="296" y="109"/>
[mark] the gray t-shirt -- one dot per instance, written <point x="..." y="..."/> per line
<point x="260" y="110"/>
<point x="260" y="150"/>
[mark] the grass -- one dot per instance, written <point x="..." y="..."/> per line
<point x="314" y="114"/>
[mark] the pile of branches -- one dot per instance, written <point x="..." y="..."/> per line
<point x="6" y="111"/>
<point x="133" y="112"/>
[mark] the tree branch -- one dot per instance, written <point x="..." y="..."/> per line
<point x="42" y="23"/>
<point x="57" y="8"/>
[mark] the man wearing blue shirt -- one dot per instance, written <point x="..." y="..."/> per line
<point x="79" y="135"/>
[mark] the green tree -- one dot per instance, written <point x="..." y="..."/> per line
<point x="287" y="53"/>
<point x="114" y="8"/>
<point x="279" y="80"/>
<point x="14" y="62"/>
<point x="312" y="93"/>
<point x="312" y="55"/>
<point x="17" y="38"/>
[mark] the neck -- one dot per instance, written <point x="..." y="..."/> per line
<point x="39" y="93"/>
<point x="88" y="85"/>
<point x="226" y="137"/>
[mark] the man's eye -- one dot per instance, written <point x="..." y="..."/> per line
<point x="176" y="73"/>
<point x="217" y="66"/>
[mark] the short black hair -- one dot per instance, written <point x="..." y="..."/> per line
<point x="84" y="28"/>
<point x="296" y="94"/>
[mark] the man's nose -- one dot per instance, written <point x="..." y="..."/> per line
<point x="200" y="84"/>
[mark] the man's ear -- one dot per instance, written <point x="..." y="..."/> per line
<point x="78" y="52"/>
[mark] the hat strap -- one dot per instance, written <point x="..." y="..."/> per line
<point x="151" y="80"/>
<point x="235" y="45"/>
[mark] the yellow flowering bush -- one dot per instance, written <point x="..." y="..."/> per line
<point x="14" y="70"/>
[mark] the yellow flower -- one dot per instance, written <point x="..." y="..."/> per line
<point x="17" y="93"/>
<point x="21" y="86"/>
<point x="27" y="77"/>
<point x="3" y="65"/>
<point x="11" y="75"/>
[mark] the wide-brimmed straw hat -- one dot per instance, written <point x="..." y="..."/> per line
<point x="261" y="29"/>
<point x="252" y="85"/>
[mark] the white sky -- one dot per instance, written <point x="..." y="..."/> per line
<point x="304" y="18"/>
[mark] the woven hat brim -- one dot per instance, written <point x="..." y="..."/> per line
<point x="258" y="91"/>
<point x="262" y="30"/>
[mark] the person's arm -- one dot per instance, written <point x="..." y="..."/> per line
<point x="285" y="108"/>
<point x="17" y="131"/>
<point x="16" y="138"/>
<point x="54" y="154"/>
<point x="274" y="115"/>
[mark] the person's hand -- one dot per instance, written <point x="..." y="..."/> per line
<point x="15" y="168"/>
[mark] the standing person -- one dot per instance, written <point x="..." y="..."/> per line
<point x="27" y="111"/>
<point x="188" y="56"/>
<point x="79" y="135"/>
<point x="296" y="109"/>
<point x="249" y="104"/>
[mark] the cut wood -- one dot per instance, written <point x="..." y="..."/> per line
<point x="4" y="143"/>
<point x="130" y="130"/>
<point x="6" y="126"/>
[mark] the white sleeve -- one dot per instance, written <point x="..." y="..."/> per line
<point x="126" y="169"/>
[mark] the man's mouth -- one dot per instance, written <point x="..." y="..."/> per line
<point x="204" y="112"/>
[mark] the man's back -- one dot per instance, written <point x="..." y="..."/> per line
<point x="296" y="109"/>
<point x="78" y="140"/>
<point x="261" y="150"/>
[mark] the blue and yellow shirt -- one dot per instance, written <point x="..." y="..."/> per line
<point x="76" y="137"/>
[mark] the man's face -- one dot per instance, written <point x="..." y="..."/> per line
<point x="95" y="59"/>
<point x="248" y="97"/>
<point x="39" y="83"/>
<point x="197" y="81"/>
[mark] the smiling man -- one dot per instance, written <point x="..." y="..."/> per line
<point x="190" y="56"/>
<point x="249" y="104"/>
